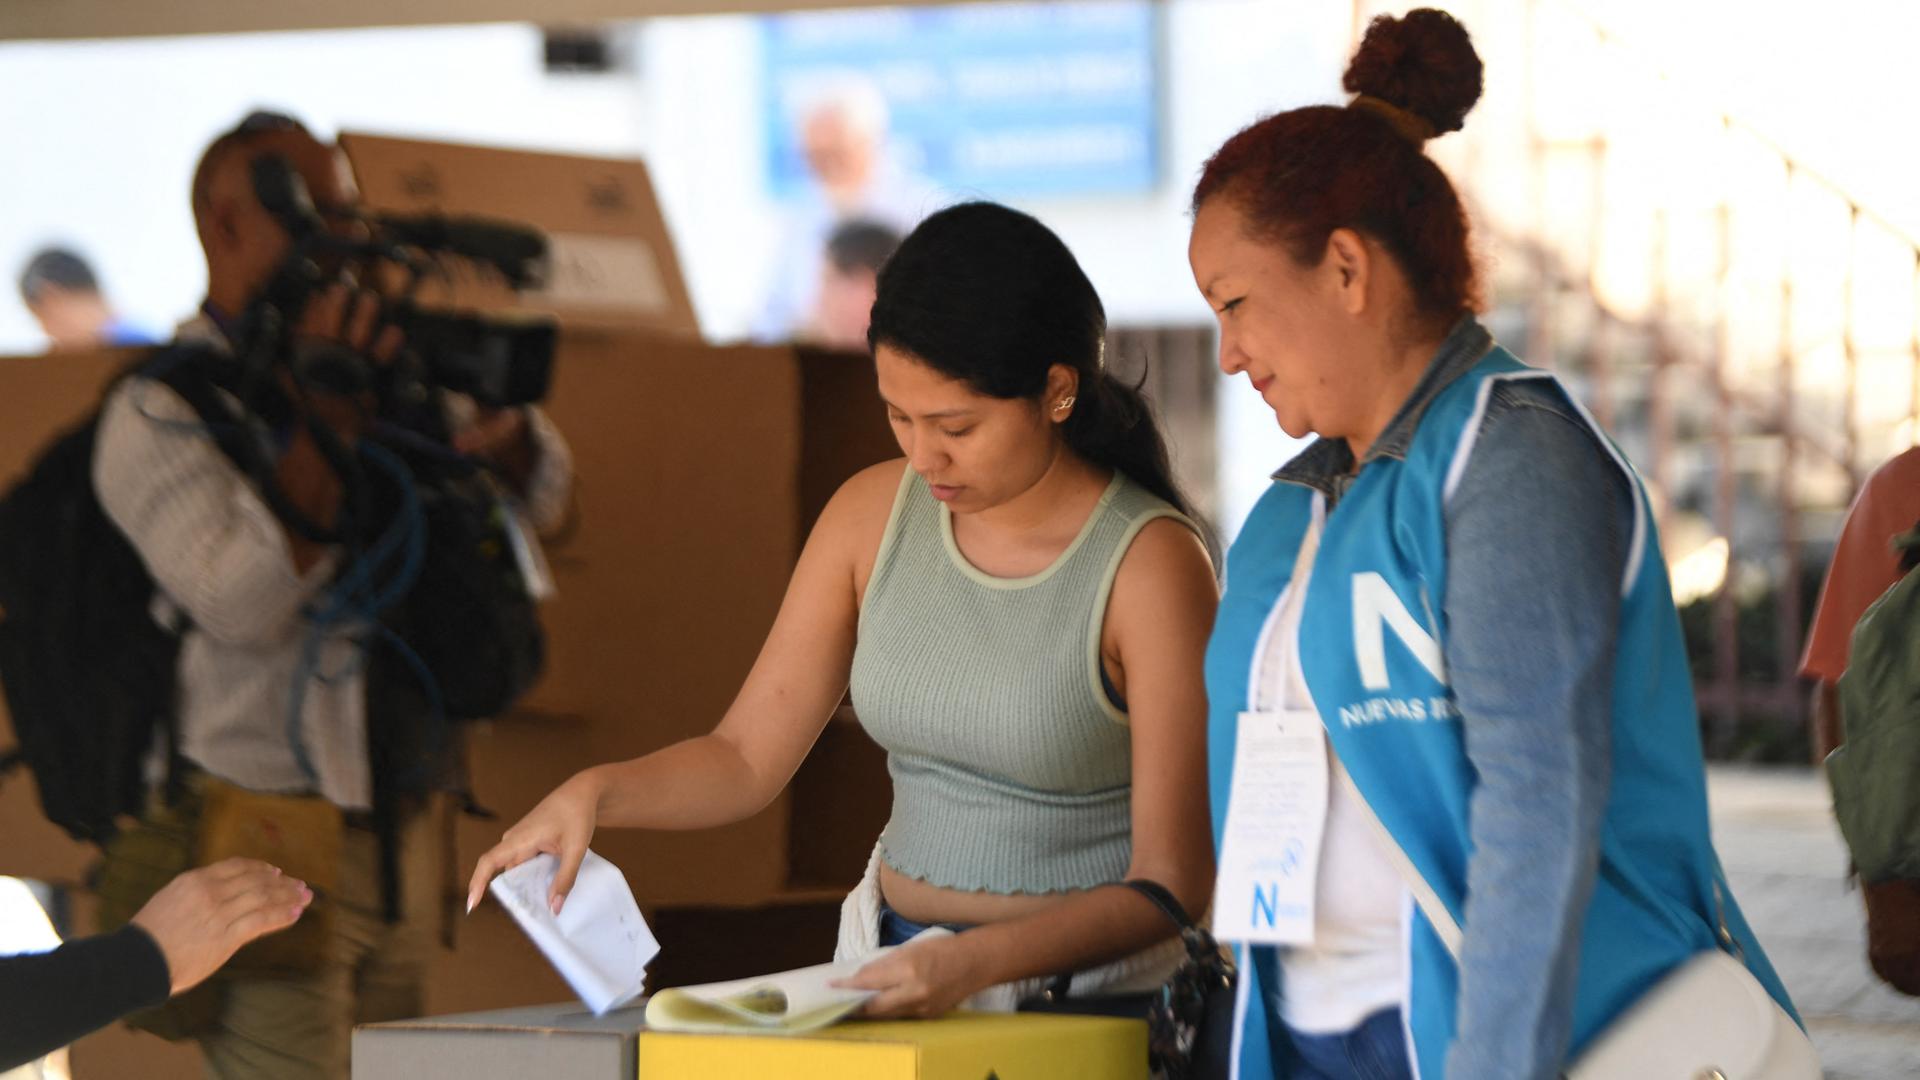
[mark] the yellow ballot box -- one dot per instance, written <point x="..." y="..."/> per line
<point x="964" y="1046"/>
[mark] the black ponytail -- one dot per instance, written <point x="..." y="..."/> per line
<point x="990" y="296"/>
<point x="1113" y="425"/>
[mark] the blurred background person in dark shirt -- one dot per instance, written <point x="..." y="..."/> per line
<point x="63" y="293"/>
<point x="849" y="274"/>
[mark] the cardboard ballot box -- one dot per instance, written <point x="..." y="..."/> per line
<point x="566" y="1042"/>
<point x="610" y="260"/>
<point x="554" y="1042"/>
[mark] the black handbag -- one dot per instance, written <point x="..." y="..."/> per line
<point x="1189" y="1019"/>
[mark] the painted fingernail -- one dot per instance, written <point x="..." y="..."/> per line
<point x="555" y="905"/>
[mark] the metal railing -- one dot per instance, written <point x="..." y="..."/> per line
<point x="1742" y="323"/>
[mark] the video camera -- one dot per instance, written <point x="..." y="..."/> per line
<point x="498" y="361"/>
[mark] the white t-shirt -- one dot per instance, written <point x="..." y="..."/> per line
<point x="1357" y="963"/>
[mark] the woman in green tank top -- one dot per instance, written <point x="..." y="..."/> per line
<point x="1021" y="605"/>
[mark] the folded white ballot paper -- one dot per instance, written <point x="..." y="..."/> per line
<point x="598" y="942"/>
<point x="788" y="1003"/>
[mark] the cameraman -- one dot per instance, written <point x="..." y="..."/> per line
<point x="247" y="586"/>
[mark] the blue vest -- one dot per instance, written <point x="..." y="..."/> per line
<point x="1373" y="647"/>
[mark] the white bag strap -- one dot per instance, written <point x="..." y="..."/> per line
<point x="1442" y="920"/>
<point x="1436" y="912"/>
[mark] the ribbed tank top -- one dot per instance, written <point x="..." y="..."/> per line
<point x="1012" y="770"/>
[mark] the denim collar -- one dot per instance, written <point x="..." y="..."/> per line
<point x="1327" y="465"/>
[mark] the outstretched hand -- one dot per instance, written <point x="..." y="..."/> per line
<point x="201" y="918"/>
<point x="561" y="825"/>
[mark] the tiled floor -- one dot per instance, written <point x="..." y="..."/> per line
<point x="1775" y="832"/>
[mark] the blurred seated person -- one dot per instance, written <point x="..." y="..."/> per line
<point x="64" y="295"/>
<point x="848" y="277"/>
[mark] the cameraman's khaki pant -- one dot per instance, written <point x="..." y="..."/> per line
<point x="301" y="1027"/>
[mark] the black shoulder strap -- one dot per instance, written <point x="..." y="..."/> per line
<point x="1908" y="545"/>
<point x="194" y="372"/>
<point x="202" y="377"/>
<point x="1162" y="898"/>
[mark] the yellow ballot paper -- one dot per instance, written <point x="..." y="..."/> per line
<point x="786" y="1003"/>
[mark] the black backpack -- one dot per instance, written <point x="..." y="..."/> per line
<point x="87" y="672"/>
<point x="464" y="641"/>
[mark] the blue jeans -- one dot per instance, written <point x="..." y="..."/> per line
<point x="897" y="929"/>
<point x="1375" y="1049"/>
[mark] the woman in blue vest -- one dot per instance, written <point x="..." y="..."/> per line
<point x="1460" y="589"/>
<point x="1021" y="608"/>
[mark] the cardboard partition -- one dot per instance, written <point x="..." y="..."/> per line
<point x="612" y="263"/>
<point x="712" y="943"/>
<point x="841" y="798"/>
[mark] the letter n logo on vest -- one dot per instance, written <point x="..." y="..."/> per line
<point x="1266" y="904"/>
<point x="1376" y="605"/>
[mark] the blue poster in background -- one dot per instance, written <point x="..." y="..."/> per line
<point x="985" y="99"/>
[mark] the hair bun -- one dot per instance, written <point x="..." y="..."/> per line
<point x="1422" y="62"/>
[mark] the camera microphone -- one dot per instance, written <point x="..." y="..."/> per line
<point x="517" y="251"/>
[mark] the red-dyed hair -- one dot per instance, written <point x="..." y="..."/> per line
<point x="1299" y="175"/>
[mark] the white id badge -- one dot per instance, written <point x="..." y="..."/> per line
<point x="528" y="553"/>
<point x="1270" y="850"/>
